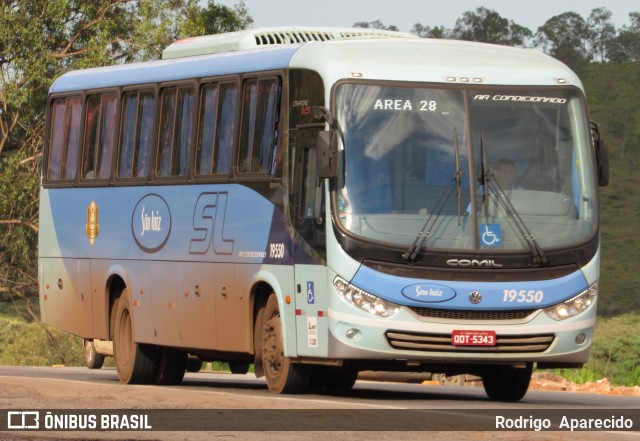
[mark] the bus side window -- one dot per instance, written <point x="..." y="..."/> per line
<point x="206" y="129"/>
<point x="99" y="136"/>
<point x="64" y="139"/>
<point x="227" y="104"/>
<point x="137" y="134"/>
<point x="216" y="128"/>
<point x="176" y="118"/>
<point x="259" y="134"/>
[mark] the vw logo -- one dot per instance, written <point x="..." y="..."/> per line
<point x="475" y="297"/>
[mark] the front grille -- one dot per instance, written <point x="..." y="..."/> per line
<point x="451" y="314"/>
<point x="505" y="344"/>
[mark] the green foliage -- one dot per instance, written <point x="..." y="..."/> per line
<point x="33" y="344"/>
<point x="565" y="37"/>
<point x="377" y="24"/>
<point x="25" y="341"/>
<point x="612" y="90"/>
<point x="568" y="36"/>
<point x="39" y="41"/>
<point x="486" y="25"/>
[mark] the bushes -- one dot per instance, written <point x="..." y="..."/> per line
<point x="34" y="344"/>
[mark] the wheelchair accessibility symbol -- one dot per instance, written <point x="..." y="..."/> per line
<point x="490" y="235"/>
<point x="311" y="294"/>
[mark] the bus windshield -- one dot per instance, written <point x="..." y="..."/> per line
<point x="465" y="168"/>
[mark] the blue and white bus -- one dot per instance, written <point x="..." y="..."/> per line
<point x="318" y="202"/>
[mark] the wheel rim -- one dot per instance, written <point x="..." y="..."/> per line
<point x="272" y="348"/>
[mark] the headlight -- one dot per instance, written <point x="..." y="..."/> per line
<point x="575" y="305"/>
<point x="363" y="300"/>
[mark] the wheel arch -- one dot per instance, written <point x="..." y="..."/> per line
<point x="263" y="284"/>
<point x="267" y="281"/>
<point x="116" y="282"/>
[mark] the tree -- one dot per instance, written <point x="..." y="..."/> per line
<point x="600" y="31"/>
<point x="565" y="37"/>
<point x="429" y="32"/>
<point x="40" y="40"/>
<point x="375" y="25"/>
<point x="216" y="19"/>
<point x="626" y="45"/>
<point x="487" y="26"/>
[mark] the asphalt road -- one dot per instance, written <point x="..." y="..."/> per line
<point x="226" y="406"/>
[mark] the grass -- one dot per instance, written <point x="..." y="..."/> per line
<point x="612" y="93"/>
<point x="614" y="354"/>
<point x="25" y="343"/>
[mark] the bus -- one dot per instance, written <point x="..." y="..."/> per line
<point x="317" y="202"/>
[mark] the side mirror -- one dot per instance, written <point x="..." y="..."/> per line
<point x="602" y="161"/>
<point x="327" y="154"/>
<point x="602" y="156"/>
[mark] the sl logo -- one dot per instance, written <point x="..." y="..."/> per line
<point x="208" y="222"/>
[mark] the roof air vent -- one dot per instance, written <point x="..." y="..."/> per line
<point x="268" y="37"/>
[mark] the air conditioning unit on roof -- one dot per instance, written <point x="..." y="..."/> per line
<point x="269" y="37"/>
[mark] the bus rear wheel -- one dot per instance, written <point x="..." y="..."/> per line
<point x="507" y="383"/>
<point x="172" y="364"/>
<point x="239" y="368"/>
<point x="135" y="362"/>
<point x="282" y="375"/>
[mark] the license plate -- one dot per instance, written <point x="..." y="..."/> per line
<point x="473" y="338"/>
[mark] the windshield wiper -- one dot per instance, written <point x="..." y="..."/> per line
<point x="412" y="251"/>
<point x="491" y="186"/>
<point x="459" y="173"/>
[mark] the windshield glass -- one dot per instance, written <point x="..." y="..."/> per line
<point x="464" y="168"/>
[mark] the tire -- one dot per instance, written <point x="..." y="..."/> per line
<point x="135" y="362"/>
<point x="194" y="364"/>
<point x="340" y="378"/>
<point x="172" y="364"/>
<point x="506" y="383"/>
<point x="282" y="375"/>
<point x="92" y="359"/>
<point x="239" y="368"/>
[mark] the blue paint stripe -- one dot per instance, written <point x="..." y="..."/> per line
<point x="217" y="223"/>
<point x="390" y="288"/>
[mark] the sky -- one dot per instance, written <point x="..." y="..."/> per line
<point x="405" y="13"/>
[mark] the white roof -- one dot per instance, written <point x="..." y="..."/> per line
<point x="335" y="53"/>
<point x="432" y="60"/>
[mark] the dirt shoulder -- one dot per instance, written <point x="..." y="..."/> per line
<point x="550" y="382"/>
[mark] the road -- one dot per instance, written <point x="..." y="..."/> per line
<point x="243" y="403"/>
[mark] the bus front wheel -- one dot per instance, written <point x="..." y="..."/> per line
<point x="135" y="362"/>
<point x="507" y="383"/>
<point x="282" y="375"/>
